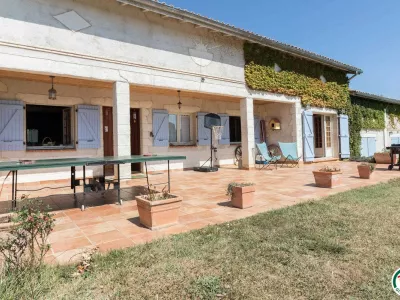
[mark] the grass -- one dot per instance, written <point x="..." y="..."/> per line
<point x="342" y="247"/>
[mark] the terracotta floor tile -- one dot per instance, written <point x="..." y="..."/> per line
<point x="64" y="226"/>
<point x="97" y="228"/>
<point x="88" y="221"/>
<point x="65" y="234"/>
<point x="105" y="237"/>
<point x="70" y="244"/>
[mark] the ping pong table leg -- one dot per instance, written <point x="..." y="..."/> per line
<point x="16" y="188"/>
<point x="119" y="186"/>
<point x="147" y="174"/>
<point x="169" y="180"/>
<point x="73" y="184"/>
<point x="13" y="194"/>
<point x="84" y="188"/>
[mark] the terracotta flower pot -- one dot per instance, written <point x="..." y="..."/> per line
<point x="243" y="197"/>
<point x="364" y="172"/>
<point x="327" y="179"/>
<point x="160" y="213"/>
<point x="384" y="158"/>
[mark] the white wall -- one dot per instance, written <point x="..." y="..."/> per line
<point x="123" y="43"/>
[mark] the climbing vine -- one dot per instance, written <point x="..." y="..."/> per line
<point x="372" y="113"/>
<point x="369" y="114"/>
<point x="297" y="77"/>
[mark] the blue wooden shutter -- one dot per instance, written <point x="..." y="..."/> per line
<point x="226" y="136"/>
<point x="308" y="136"/>
<point x="160" y="128"/>
<point x="88" y="127"/>
<point x="344" y="136"/>
<point x="11" y="126"/>
<point x="364" y="147"/>
<point x="371" y="146"/>
<point x="257" y="130"/>
<point x="395" y="140"/>
<point x="203" y="134"/>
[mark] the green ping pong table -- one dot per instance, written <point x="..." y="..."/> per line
<point x="15" y="166"/>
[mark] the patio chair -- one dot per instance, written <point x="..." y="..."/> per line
<point x="263" y="159"/>
<point x="289" y="152"/>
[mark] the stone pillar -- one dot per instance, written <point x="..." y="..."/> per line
<point x="122" y="125"/>
<point x="247" y="127"/>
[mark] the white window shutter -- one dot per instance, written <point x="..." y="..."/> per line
<point x="203" y="134"/>
<point x="88" y="126"/>
<point x="160" y="128"/>
<point x="11" y="126"/>
<point x="226" y="136"/>
<point x="344" y="136"/>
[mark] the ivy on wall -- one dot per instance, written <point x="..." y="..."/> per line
<point x="372" y="113"/>
<point x="393" y="111"/>
<point x="298" y="77"/>
<point x="355" y="127"/>
<point x="369" y="114"/>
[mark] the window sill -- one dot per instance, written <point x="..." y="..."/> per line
<point x="49" y="148"/>
<point x="182" y="145"/>
<point x="236" y="143"/>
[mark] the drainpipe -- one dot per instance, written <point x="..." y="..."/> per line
<point x="385" y="129"/>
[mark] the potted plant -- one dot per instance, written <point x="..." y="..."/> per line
<point x="241" y="194"/>
<point x="365" y="170"/>
<point x="158" y="210"/>
<point x="383" y="157"/>
<point x="327" y="177"/>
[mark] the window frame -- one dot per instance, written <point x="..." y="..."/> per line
<point x="178" y="129"/>
<point x="232" y="142"/>
<point x="72" y="129"/>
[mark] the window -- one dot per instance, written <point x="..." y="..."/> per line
<point x="328" y="131"/>
<point x="318" y="131"/>
<point x="180" y="129"/>
<point x="48" y="126"/>
<point x="235" y="129"/>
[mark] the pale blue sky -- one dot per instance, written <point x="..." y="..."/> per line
<point x="362" y="33"/>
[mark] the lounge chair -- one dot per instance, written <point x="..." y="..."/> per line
<point x="263" y="159"/>
<point x="289" y="152"/>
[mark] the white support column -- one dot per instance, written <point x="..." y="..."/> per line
<point x="247" y="127"/>
<point x="386" y="136"/>
<point x="121" y="125"/>
<point x="297" y="126"/>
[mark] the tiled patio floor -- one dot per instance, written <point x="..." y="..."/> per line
<point x="111" y="226"/>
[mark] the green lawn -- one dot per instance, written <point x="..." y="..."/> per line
<point x="342" y="247"/>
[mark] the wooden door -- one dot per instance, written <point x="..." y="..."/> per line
<point x="108" y="136"/>
<point x="135" y="137"/>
